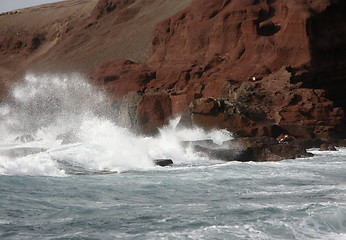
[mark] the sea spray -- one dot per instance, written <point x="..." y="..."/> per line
<point x="76" y="128"/>
<point x="194" y="199"/>
<point x="42" y="101"/>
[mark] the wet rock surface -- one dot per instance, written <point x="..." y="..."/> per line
<point x="163" y="162"/>
<point x="259" y="149"/>
<point x="269" y="149"/>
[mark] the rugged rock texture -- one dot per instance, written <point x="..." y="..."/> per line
<point x="268" y="149"/>
<point x="259" y="149"/>
<point x="271" y="107"/>
<point x="252" y="67"/>
<point x="255" y="67"/>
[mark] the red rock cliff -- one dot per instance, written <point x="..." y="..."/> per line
<point x="255" y="67"/>
<point x="213" y="49"/>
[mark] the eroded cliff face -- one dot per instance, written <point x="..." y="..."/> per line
<point x="255" y="67"/>
<point x="326" y="31"/>
<point x="250" y="66"/>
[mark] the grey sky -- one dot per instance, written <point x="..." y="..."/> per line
<point x="8" y="5"/>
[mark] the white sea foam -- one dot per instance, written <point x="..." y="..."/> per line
<point x="33" y="165"/>
<point x="67" y="117"/>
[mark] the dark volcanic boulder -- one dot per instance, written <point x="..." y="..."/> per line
<point x="223" y="154"/>
<point x="269" y="149"/>
<point x="163" y="162"/>
<point x="258" y="149"/>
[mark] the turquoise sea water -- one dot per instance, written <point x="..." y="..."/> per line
<point x="68" y="172"/>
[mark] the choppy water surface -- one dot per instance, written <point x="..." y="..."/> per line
<point x="301" y="199"/>
<point x="70" y="173"/>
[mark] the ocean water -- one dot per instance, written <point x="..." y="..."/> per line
<point x="67" y="171"/>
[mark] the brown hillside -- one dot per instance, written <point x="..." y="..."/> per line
<point x="77" y="35"/>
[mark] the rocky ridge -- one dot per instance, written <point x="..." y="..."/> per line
<point x="240" y="65"/>
<point x="258" y="68"/>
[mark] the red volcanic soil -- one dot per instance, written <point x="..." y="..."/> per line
<point x="77" y="35"/>
<point x="255" y="67"/>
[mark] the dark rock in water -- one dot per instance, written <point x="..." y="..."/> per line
<point x="269" y="149"/>
<point x="224" y="154"/>
<point x="257" y="149"/>
<point x="327" y="147"/>
<point x="163" y="162"/>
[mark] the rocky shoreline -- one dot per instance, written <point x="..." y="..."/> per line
<point x="260" y="69"/>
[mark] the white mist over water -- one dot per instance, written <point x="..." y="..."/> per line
<point x="59" y="124"/>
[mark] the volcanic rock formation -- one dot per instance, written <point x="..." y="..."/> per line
<point x="257" y="68"/>
<point x="254" y="67"/>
